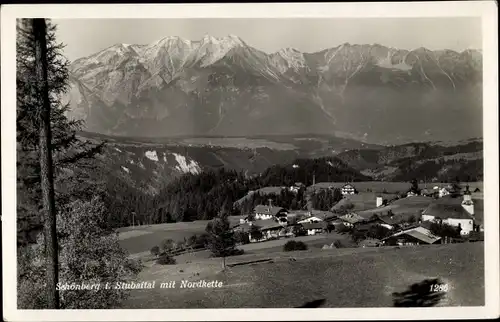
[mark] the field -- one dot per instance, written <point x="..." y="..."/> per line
<point x="141" y="238"/>
<point x="347" y="277"/>
<point x="391" y="187"/>
<point x="369" y="186"/>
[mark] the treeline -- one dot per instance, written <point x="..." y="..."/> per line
<point x="463" y="169"/>
<point x="324" y="169"/>
<point x="325" y="199"/>
<point x="286" y="199"/>
<point x="202" y="196"/>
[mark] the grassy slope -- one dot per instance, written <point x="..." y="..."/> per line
<point x="143" y="238"/>
<point x="350" y="277"/>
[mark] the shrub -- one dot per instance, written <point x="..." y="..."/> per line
<point x="86" y="252"/>
<point x="242" y="237"/>
<point x="166" y="259"/>
<point x="155" y="250"/>
<point x="168" y="245"/>
<point x="338" y="244"/>
<point x="197" y="241"/>
<point x="293" y="245"/>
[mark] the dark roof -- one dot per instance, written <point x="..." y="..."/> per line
<point x="363" y="226"/>
<point x="265" y="224"/>
<point x="271" y="225"/>
<point x="352" y="218"/>
<point x="419" y="233"/>
<point x="447" y="210"/>
<point x="325" y="215"/>
<point x="262" y="209"/>
<point x="398" y="218"/>
<point x="314" y="225"/>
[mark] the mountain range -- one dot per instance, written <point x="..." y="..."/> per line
<point x="224" y="87"/>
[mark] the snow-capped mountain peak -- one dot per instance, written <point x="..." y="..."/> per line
<point x="289" y="58"/>
<point x="212" y="49"/>
<point x="221" y="85"/>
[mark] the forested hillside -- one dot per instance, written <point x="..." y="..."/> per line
<point x="201" y="196"/>
<point x="423" y="161"/>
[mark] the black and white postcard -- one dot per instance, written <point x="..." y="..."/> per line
<point x="299" y="161"/>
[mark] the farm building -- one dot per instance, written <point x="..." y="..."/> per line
<point x="318" y="216"/>
<point x="296" y="215"/>
<point x="324" y="215"/>
<point x="412" y="236"/>
<point x="314" y="228"/>
<point x="268" y="228"/>
<point x="268" y="212"/>
<point x="311" y="219"/>
<point x="390" y="220"/>
<point x="351" y="219"/>
<point x="450" y="211"/>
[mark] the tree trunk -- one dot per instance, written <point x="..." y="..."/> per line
<point x="223" y="262"/>
<point x="46" y="167"/>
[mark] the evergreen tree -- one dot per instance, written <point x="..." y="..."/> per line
<point x="87" y="250"/>
<point x="70" y="154"/>
<point x="40" y="91"/>
<point x="221" y="241"/>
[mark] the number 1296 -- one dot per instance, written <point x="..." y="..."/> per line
<point x="439" y="288"/>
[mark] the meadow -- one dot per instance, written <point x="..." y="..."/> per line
<point x="347" y="277"/>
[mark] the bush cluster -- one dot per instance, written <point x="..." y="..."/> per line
<point x="293" y="245"/>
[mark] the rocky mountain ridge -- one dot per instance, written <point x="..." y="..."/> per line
<point x="223" y="86"/>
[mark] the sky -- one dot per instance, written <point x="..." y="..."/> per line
<point x="84" y="37"/>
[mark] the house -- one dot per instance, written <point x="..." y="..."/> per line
<point x="268" y="228"/>
<point x="271" y="230"/>
<point x="311" y="219"/>
<point x="245" y="220"/>
<point x="314" y="228"/>
<point x="450" y="211"/>
<point x="412" y="236"/>
<point x="348" y="189"/>
<point x="351" y="219"/>
<point x="268" y="212"/>
<point x="324" y="215"/>
<point x="318" y="216"/>
<point x="295" y="216"/>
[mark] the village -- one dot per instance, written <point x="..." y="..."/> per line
<point x="443" y="214"/>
